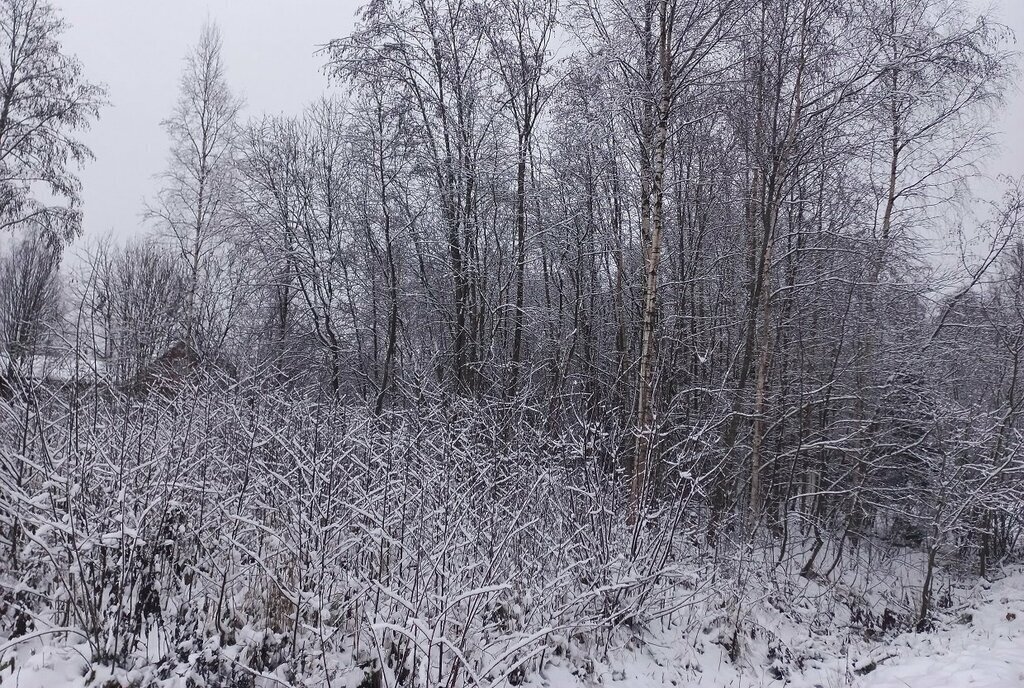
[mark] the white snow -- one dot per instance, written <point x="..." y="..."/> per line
<point x="985" y="652"/>
<point x="980" y="645"/>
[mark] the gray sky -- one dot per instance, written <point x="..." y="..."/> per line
<point x="137" y="47"/>
<point x="1010" y="159"/>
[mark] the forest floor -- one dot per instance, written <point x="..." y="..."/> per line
<point x="984" y="650"/>
<point x="979" y="643"/>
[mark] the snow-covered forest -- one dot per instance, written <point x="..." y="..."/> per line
<point x="561" y="343"/>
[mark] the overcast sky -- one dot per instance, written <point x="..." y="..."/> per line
<point x="1010" y="159"/>
<point x="136" y="48"/>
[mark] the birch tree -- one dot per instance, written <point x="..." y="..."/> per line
<point x="44" y="102"/>
<point x="194" y="206"/>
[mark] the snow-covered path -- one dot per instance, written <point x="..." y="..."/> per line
<point x="985" y="652"/>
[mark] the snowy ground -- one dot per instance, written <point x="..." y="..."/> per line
<point x="985" y="652"/>
<point x="980" y="646"/>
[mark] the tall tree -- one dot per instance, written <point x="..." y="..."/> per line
<point x="662" y="49"/>
<point x="433" y="53"/>
<point x="194" y="205"/>
<point x="44" y="100"/>
<point x="520" y="39"/>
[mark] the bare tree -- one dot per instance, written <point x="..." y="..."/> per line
<point x="43" y="101"/>
<point x="29" y="302"/>
<point x="194" y="206"/>
<point x="433" y="53"/>
<point x="520" y="39"/>
<point x="131" y="304"/>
